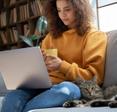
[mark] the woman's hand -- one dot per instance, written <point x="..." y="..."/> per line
<point x="44" y="54"/>
<point x="52" y="62"/>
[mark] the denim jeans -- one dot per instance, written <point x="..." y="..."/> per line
<point x="23" y="100"/>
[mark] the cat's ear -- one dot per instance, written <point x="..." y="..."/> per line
<point x="94" y="79"/>
<point x="79" y="81"/>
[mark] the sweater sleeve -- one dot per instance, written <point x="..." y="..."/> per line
<point x="93" y="59"/>
<point x="46" y="42"/>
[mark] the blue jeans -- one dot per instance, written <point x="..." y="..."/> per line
<point x="22" y="100"/>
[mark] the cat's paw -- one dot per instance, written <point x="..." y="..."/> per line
<point x="113" y="104"/>
<point x="68" y="104"/>
<point x="116" y="97"/>
<point x="73" y="103"/>
<point x="95" y="104"/>
<point x="99" y="103"/>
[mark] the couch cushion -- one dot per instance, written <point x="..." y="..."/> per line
<point x="111" y="60"/>
<point x="84" y="109"/>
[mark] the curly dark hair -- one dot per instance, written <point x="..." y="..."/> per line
<point x="84" y="15"/>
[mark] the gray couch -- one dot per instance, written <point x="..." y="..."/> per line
<point x="110" y="79"/>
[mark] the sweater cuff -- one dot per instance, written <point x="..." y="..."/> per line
<point x="64" y="67"/>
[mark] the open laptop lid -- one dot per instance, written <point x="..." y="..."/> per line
<point x="24" y="67"/>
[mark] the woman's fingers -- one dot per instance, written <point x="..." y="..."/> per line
<point x="44" y="54"/>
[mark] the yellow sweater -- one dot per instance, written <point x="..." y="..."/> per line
<point x="82" y="57"/>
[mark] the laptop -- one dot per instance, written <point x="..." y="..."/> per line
<point x="24" y="68"/>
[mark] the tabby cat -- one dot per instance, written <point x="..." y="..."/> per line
<point x="94" y="96"/>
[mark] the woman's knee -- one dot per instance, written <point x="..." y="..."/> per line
<point x="18" y="98"/>
<point x="15" y="94"/>
<point x="69" y="89"/>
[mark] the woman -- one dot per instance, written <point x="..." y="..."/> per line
<point x="81" y="55"/>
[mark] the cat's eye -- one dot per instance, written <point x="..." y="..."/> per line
<point x="92" y="88"/>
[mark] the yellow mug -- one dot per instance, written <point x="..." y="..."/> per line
<point x="51" y="52"/>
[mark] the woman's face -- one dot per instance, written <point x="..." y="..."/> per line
<point x="66" y="12"/>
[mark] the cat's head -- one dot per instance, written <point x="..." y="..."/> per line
<point x="90" y="90"/>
